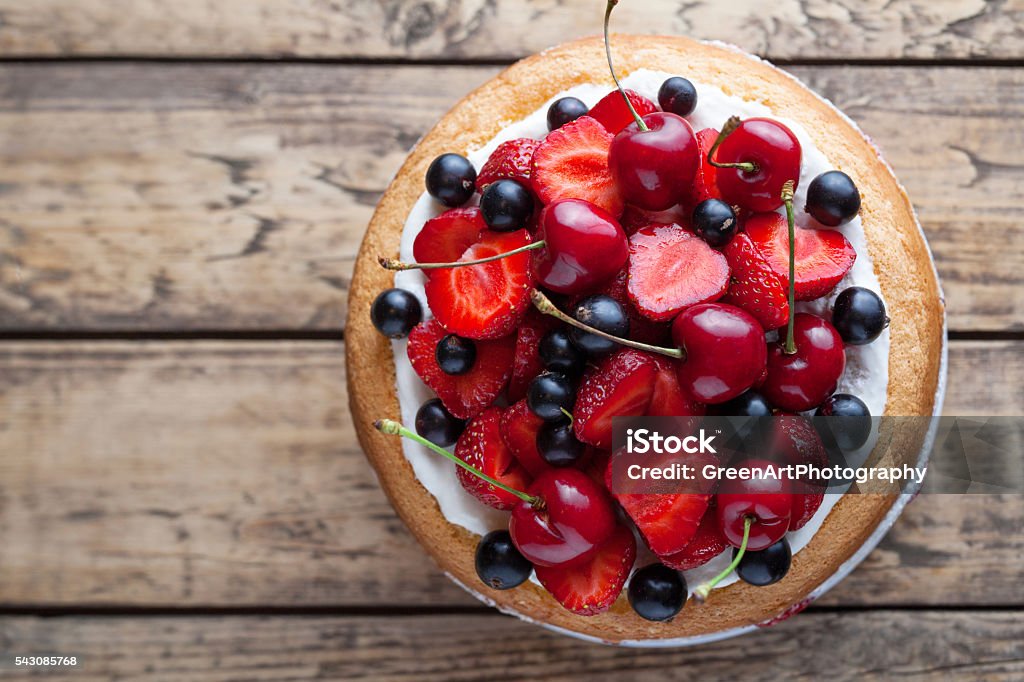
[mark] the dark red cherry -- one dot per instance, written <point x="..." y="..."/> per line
<point x="765" y="500"/>
<point x="803" y="380"/>
<point x="770" y="154"/>
<point x="574" y="516"/>
<point x="725" y="351"/>
<point x="584" y="247"/>
<point x="654" y="168"/>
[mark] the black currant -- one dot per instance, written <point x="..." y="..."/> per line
<point x="714" y="221"/>
<point x="565" y="110"/>
<point x="395" y="312"/>
<point x="859" y="315"/>
<point x="749" y="404"/>
<point x="549" y="394"/>
<point x="765" y="567"/>
<point x="558" y="353"/>
<point x="435" y="423"/>
<point x="833" y="198"/>
<point x="603" y="313"/>
<point x="506" y="205"/>
<point x="678" y="96"/>
<point x="499" y="564"/>
<point x="557" y="444"/>
<point x="851" y="420"/>
<point x="455" y="355"/>
<point x="657" y="592"/>
<point x="451" y="179"/>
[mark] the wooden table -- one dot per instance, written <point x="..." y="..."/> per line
<point x="183" y="187"/>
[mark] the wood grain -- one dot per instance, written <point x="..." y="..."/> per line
<point x="215" y="473"/>
<point x="184" y="197"/>
<point x="930" y="645"/>
<point x="484" y="29"/>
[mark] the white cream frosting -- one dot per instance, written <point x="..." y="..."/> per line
<point x="866" y="376"/>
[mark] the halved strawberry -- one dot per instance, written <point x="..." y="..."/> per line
<point x="614" y="115"/>
<point x="621" y="385"/>
<point x="510" y="159"/>
<point x="519" y="427"/>
<point x="669" y="399"/>
<point x="484" y="301"/>
<point x="754" y="286"/>
<point x="445" y="238"/>
<point x="823" y="257"/>
<point x="705" y="182"/>
<point x="572" y="163"/>
<point x="481" y="446"/>
<point x="671" y="269"/>
<point x="464" y="395"/>
<point x="707" y="543"/>
<point x="794" y="440"/>
<point x="591" y="584"/>
<point x="527" y="364"/>
<point x="633" y="218"/>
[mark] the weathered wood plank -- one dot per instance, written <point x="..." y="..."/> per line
<point x="447" y="29"/>
<point x="930" y="645"/>
<point x="235" y="197"/>
<point x="212" y="473"/>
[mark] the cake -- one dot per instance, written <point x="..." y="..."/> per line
<point x="898" y="373"/>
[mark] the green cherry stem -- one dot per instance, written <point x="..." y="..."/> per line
<point x="544" y="305"/>
<point x="787" y="199"/>
<point x="395" y="264"/>
<point x="393" y="428"/>
<point x="731" y="125"/>
<point x="701" y="593"/>
<point x="568" y="414"/>
<point x="608" y="53"/>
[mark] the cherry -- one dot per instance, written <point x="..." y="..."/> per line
<point x="764" y="499"/>
<point x="803" y="379"/>
<point x="654" y="159"/>
<point x="756" y="157"/>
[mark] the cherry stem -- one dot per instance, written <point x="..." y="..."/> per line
<point x="393" y="428"/>
<point x="608" y="53"/>
<point x="787" y="199"/>
<point x="544" y="305"/>
<point x="701" y="593"/>
<point x="395" y="264"/>
<point x="568" y="414"/>
<point x="731" y="125"/>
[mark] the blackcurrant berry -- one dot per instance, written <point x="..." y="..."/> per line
<point x="549" y="394"/>
<point x="395" y="312"/>
<point x="765" y="567"/>
<point x="558" y="353"/>
<point x="678" y="96"/>
<point x="833" y="198"/>
<point x="603" y="313"/>
<point x="851" y="420"/>
<point x="506" y="205"/>
<point x="451" y="179"/>
<point x="657" y="592"/>
<point x="557" y="444"/>
<point x="499" y="564"/>
<point x="859" y="315"/>
<point x="715" y="222"/>
<point x="455" y="355"/>
<point x="749" y="404"/>
<point x="435" y="423"/>
<point x="565" y="110"/>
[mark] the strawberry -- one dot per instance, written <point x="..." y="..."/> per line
<point x="669" y="399"/>
<point x="527" y="364"/>
<point x="794" y="440"/>
<point x="483" y="301"/>
<point x="633" y="218"/>
<point x="614" y="115"/>
<point x="511" y="159"/>
<point x="707" y="543"/>
<point x="463" y="395"/>
<point x="445" y="238"/>
<point x="481" y="445"/>
<point x="640" y="328"/>
<point x="572" y="163"/>
<point x="705" y="183"/>
<point x="754" y="286"/>
<point x="823" y="257"/>
<point x="592" y="583"/>
<point x="519" y="428"/>
<point x="671" y="269"/>
<point x="620" y="386"/>
<point x="596" y="462"/>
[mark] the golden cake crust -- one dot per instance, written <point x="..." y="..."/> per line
<point x="896" y="246"/>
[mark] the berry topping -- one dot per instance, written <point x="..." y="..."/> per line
<point x="754" y="285"/>
<point x="565" y="110"/>
<point x="802" y="380"/>
<point x="714" y="221"/>
<point x="572" y="163"/>
<point x="620" y="386"/>
<point x="641" y="328"/>
<point x="395" y="312"/>
<point x="527" y="362"/>
<point x="670" y="269"/>
<point x="482" y="447"/>
<point x="763" y="499"/>
<point x="455" y="355"/>
<point x="657" y="592"/>
<point x="511" y="159"/>
<point x="614" y="115"/>
<point x="467" y="394"/>
<point x="669" y="399"/>
<point x="451" y="179"/>
<point x="603" y="313"/>
<point x="833" y="198"/>
<point x="499" y="564"/>
<point x="756" y="158"/>
<point x="851" y="426"/>
<point x="766" y="567"/>
<point x="584" y="247"/>
<point x="707" y="543"/>
<point x="550" y="396"/>
<point x="519" y="428"/>
<point x="859" y="315"/>
<point x="436" y="424"/>
<point x="591" y="585"/>
<point x="445" y="238"/>
<point x="557" y="444"/>
<point x="749" y="404"/>
<point x="705" y="182"/>
<point x="558" y="353"/>
<point x="654" y="161"/>
<point x="678" y="96"/>
<point x="794" y="440"/>
<point x="506" y="205"/>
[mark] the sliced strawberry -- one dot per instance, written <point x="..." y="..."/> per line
<point x="596" y="463"/>
<point x="527" y="364"/>
<point x="591" y="584"/>
<point x="511" y="159"/>
<point x="671" y="269"/>
<point x="823" y="257"/>
<point x="614" y="115"/>
<point x="464" y="395"/>
<point x="669" y="399"/>
<point x="519" y="428"/>
<point x="572" y="163"/>
<point x="484" y="301"/>
<point x="754" y="286"/>
<point x="707" y="543"/>
<point x="705" y="183"/>
<point x="620" y="386"/>
<point x="633" y="218"/>
<point x="445" y="238"/>
<point x="794" y="440"/>
<point x="481" y="446"/>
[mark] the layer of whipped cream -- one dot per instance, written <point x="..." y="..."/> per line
<point x="867" y="371"/>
